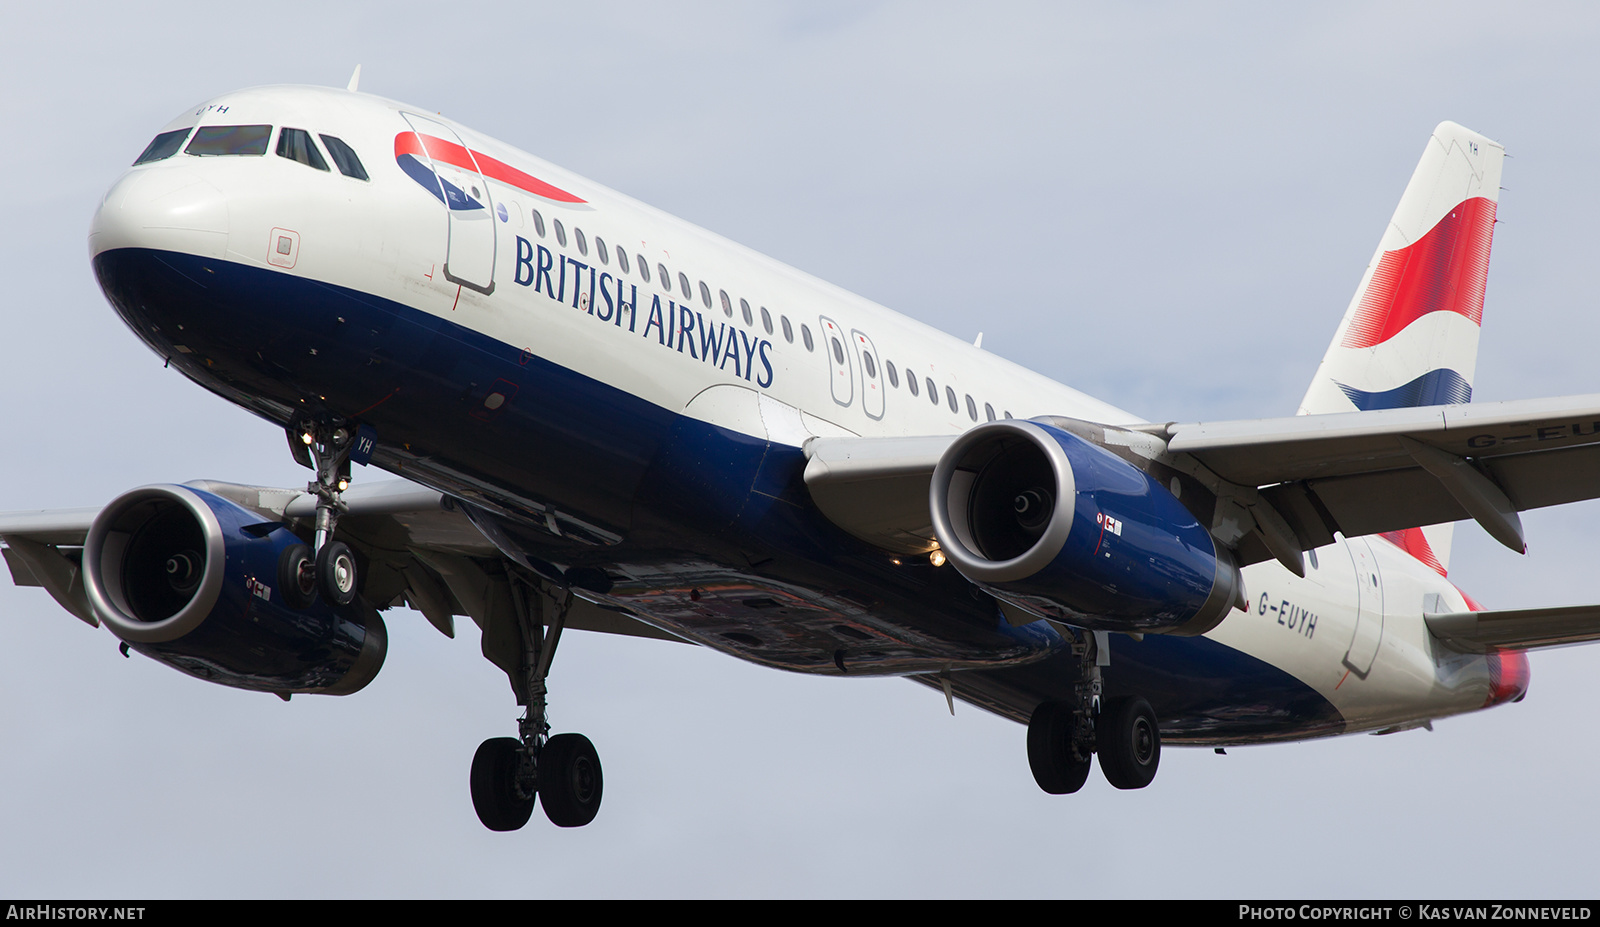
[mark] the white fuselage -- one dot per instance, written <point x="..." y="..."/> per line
<point x="810" y="358"/>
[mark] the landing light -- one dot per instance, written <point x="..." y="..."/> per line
<point x="936" y="558"/>
<point x="306" y="439"/>
<point x="343" y="485"/>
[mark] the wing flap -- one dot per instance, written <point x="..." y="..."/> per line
<point x="61" y="575"/>
<point x="1388" y="500"/>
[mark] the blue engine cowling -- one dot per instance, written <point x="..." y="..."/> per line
<point x="1066" y="530"/>
<point x="175" y="573"/>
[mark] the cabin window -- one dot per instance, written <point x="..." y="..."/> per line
<point x="163" y="146"/>
<point x="622" y="260"/>
<point x="344" y="158"/>
<point x="561" y="232"/>
<point x="727" y="304"/>
<point x="911" y="383"/>
<point x="950" y="396"/>
<point x="766" y="320"/>
<point x="644" y="269"/>
<point x="600" y="246"/>
<point x="989" y="411"/>
<point x="665" y="279"/>
<point x="744" y="308"/>
<point x="1009" y="415"/>
<point x="538" y="223"/>
<point x="867" y="362"/>
<point x="705" y="294"/>
<point x="933" y="391"/>
<point x="894" y="378"/>
<point x="972" y="408"/>
<point x="805" y="335"/>
<point x="230" y="140"/>
<point x="838" y="352"/>
<point x="296" y="145"/>
<point x="788" y="330"/>
<point x="583" y="243"/>
<point x="683" y="286"/>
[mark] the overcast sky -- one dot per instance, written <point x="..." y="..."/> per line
<point x="1168" y="209"/>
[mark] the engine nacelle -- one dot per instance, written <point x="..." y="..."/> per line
<point x="190" y="579"/>
<point x="1066" y="530"/>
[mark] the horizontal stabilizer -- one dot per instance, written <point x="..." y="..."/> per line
<point x="1516" y="629"/>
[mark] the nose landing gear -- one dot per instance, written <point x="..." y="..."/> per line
<point x="325" y="445"/>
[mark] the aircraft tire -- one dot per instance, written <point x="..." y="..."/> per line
<point x="570" y="783"/>
<point x="1050" y="750"/>
<point x="1129" y="743"/>
<point x="494" y="785"/>
<point x="295" y="567"/>
<point x="336" y="573"/>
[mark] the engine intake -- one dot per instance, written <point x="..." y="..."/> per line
<point x="1066" y="530"/>
<point x="174" y="572"/>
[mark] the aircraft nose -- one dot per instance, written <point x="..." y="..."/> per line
<point x="168" y="208"/>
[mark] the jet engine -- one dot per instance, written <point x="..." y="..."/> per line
<point x="1064" y="529"/>
<point x="200" y="584"/>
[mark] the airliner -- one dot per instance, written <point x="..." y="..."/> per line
<point x="602" y="418"/>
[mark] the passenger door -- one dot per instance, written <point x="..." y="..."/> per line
<point x="871" y="374"/>
<point x="470" y="254"/>
<point x="835" y="345"/>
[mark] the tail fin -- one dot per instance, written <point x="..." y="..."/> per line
<point x="1410" y="335"/>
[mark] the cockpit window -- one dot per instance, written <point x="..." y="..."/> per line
<point x="344" y="157"/>
<point x="163" y="146"/>
<point x="230" y="140"/>
<point x="296" y="145"/>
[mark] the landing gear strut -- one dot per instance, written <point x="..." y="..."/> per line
<point x="1063" y="735"/>
<point x="508" y="774"/>
<point x="330" y="567"/>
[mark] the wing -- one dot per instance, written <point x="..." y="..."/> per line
<point x="1278" y="486"/>
<point x="1361" y="473"/>
<point x="419" y="546"/>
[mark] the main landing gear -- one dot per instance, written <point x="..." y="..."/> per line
<point x="1063" y="735"/>
<point x="510" y="773"/>
<point x="327" y="566"/>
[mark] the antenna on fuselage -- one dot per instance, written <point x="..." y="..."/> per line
<point x="355" y="79"/>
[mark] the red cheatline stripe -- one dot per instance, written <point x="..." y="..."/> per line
<point x="450" y="153"/>
<point x="1443" y="271"/>
<point x="1415" y="543"/>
